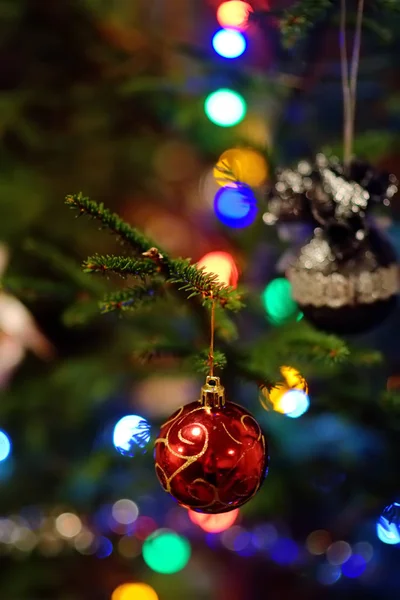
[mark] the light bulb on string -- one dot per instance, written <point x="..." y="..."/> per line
<point x="225" y="108"/>
<point x="234" y="14"/>
<point x="236" y="206"/>
<point x="229" y="43"/>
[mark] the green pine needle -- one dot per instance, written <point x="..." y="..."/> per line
<point x="200" y="362"/>
<point x="126" y="233"/>
<point x="301" y="17"/>
<point x="120" y="265"/>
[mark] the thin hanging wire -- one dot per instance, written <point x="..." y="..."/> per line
<point x="211" y="352"/>
<point x="355" y="63"/>
<point x="345" y="85"/>
<point x="349" y="80"/>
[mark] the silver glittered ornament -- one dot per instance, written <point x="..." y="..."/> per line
<point x="345" y="279"/>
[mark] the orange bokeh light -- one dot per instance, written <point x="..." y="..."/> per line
<point x="214" y="523"/>
<point x="221" y="264"/>
<point x="234" y="14"/>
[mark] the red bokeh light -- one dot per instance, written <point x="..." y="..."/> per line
<point x="144" y="527"/>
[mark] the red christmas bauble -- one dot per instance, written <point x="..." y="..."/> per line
<point x="211" y="456"/>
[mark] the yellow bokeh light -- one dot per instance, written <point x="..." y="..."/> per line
<point x="221" y="264"/>
<point x="292" y="380"/>
<point x="234" y="13"/>
<point x="134" y="591"/>
<point x="241" y="164"/>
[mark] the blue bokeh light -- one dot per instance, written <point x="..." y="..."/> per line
<point x="131" y="434"/>
<point x="354" y="567"/>
<point x="105" y="547"/>
<point x="229" y="43"/>
<point x="235" y="206"/>
<point x="5" y="445"/>
<point x="285" y="551"/>
<point x="295" y="403"/>
<point x="387" y="527"/>
<point x="328" y="574"/>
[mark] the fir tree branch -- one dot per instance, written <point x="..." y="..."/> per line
<point x="136" y="240"/>
<point x="301" y="17"/>
<point x="119" y="265"/>
<point x="200" y="362"/>
<point x="131" y="298"/>
<point x="195" y="282"/>
<point x="179" y="271"/>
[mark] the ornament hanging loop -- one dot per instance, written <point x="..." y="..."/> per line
<point x="213" y="393"/>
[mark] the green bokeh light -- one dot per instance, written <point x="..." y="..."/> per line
<point x="225" y="107"/>
<point x="166" y="552"/>
<point x="278" y="302"/>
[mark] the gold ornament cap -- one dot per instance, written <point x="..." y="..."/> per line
<point x="213" y="393"/>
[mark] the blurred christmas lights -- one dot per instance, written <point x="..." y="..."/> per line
<point x="354" y="566"/>
<point x="144" y="527"/>
<point x="129" y="547"/>
<point x="225" y="107"/>
<point x="285" y="551"/>
<point x="221" y="264"/>
<point x="241" y="165"/>
<point x="328" y="574"/>
<point x="364" y="549"/>
<point x="134" y="591"/>
<point x="68" y="525"/>
<point x="338" y="552"/>
<point x="214" y="523"/>
<point x="290" y="396"/>
<point x="229" y="43"/>
<point x="294" y="403"/>
<point x="166" y="552"/>
<point x="5" y="445"/>
<point x="318" y="542"/>
<point x="278" y="302"/>
<point x="236" y="206"/>
<point x="234" y="14"/>
<point x="131" y="433"/>
<point x="387" y="527"/>
<point x="125" y="511"/>
<point x="104" y="547"/>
